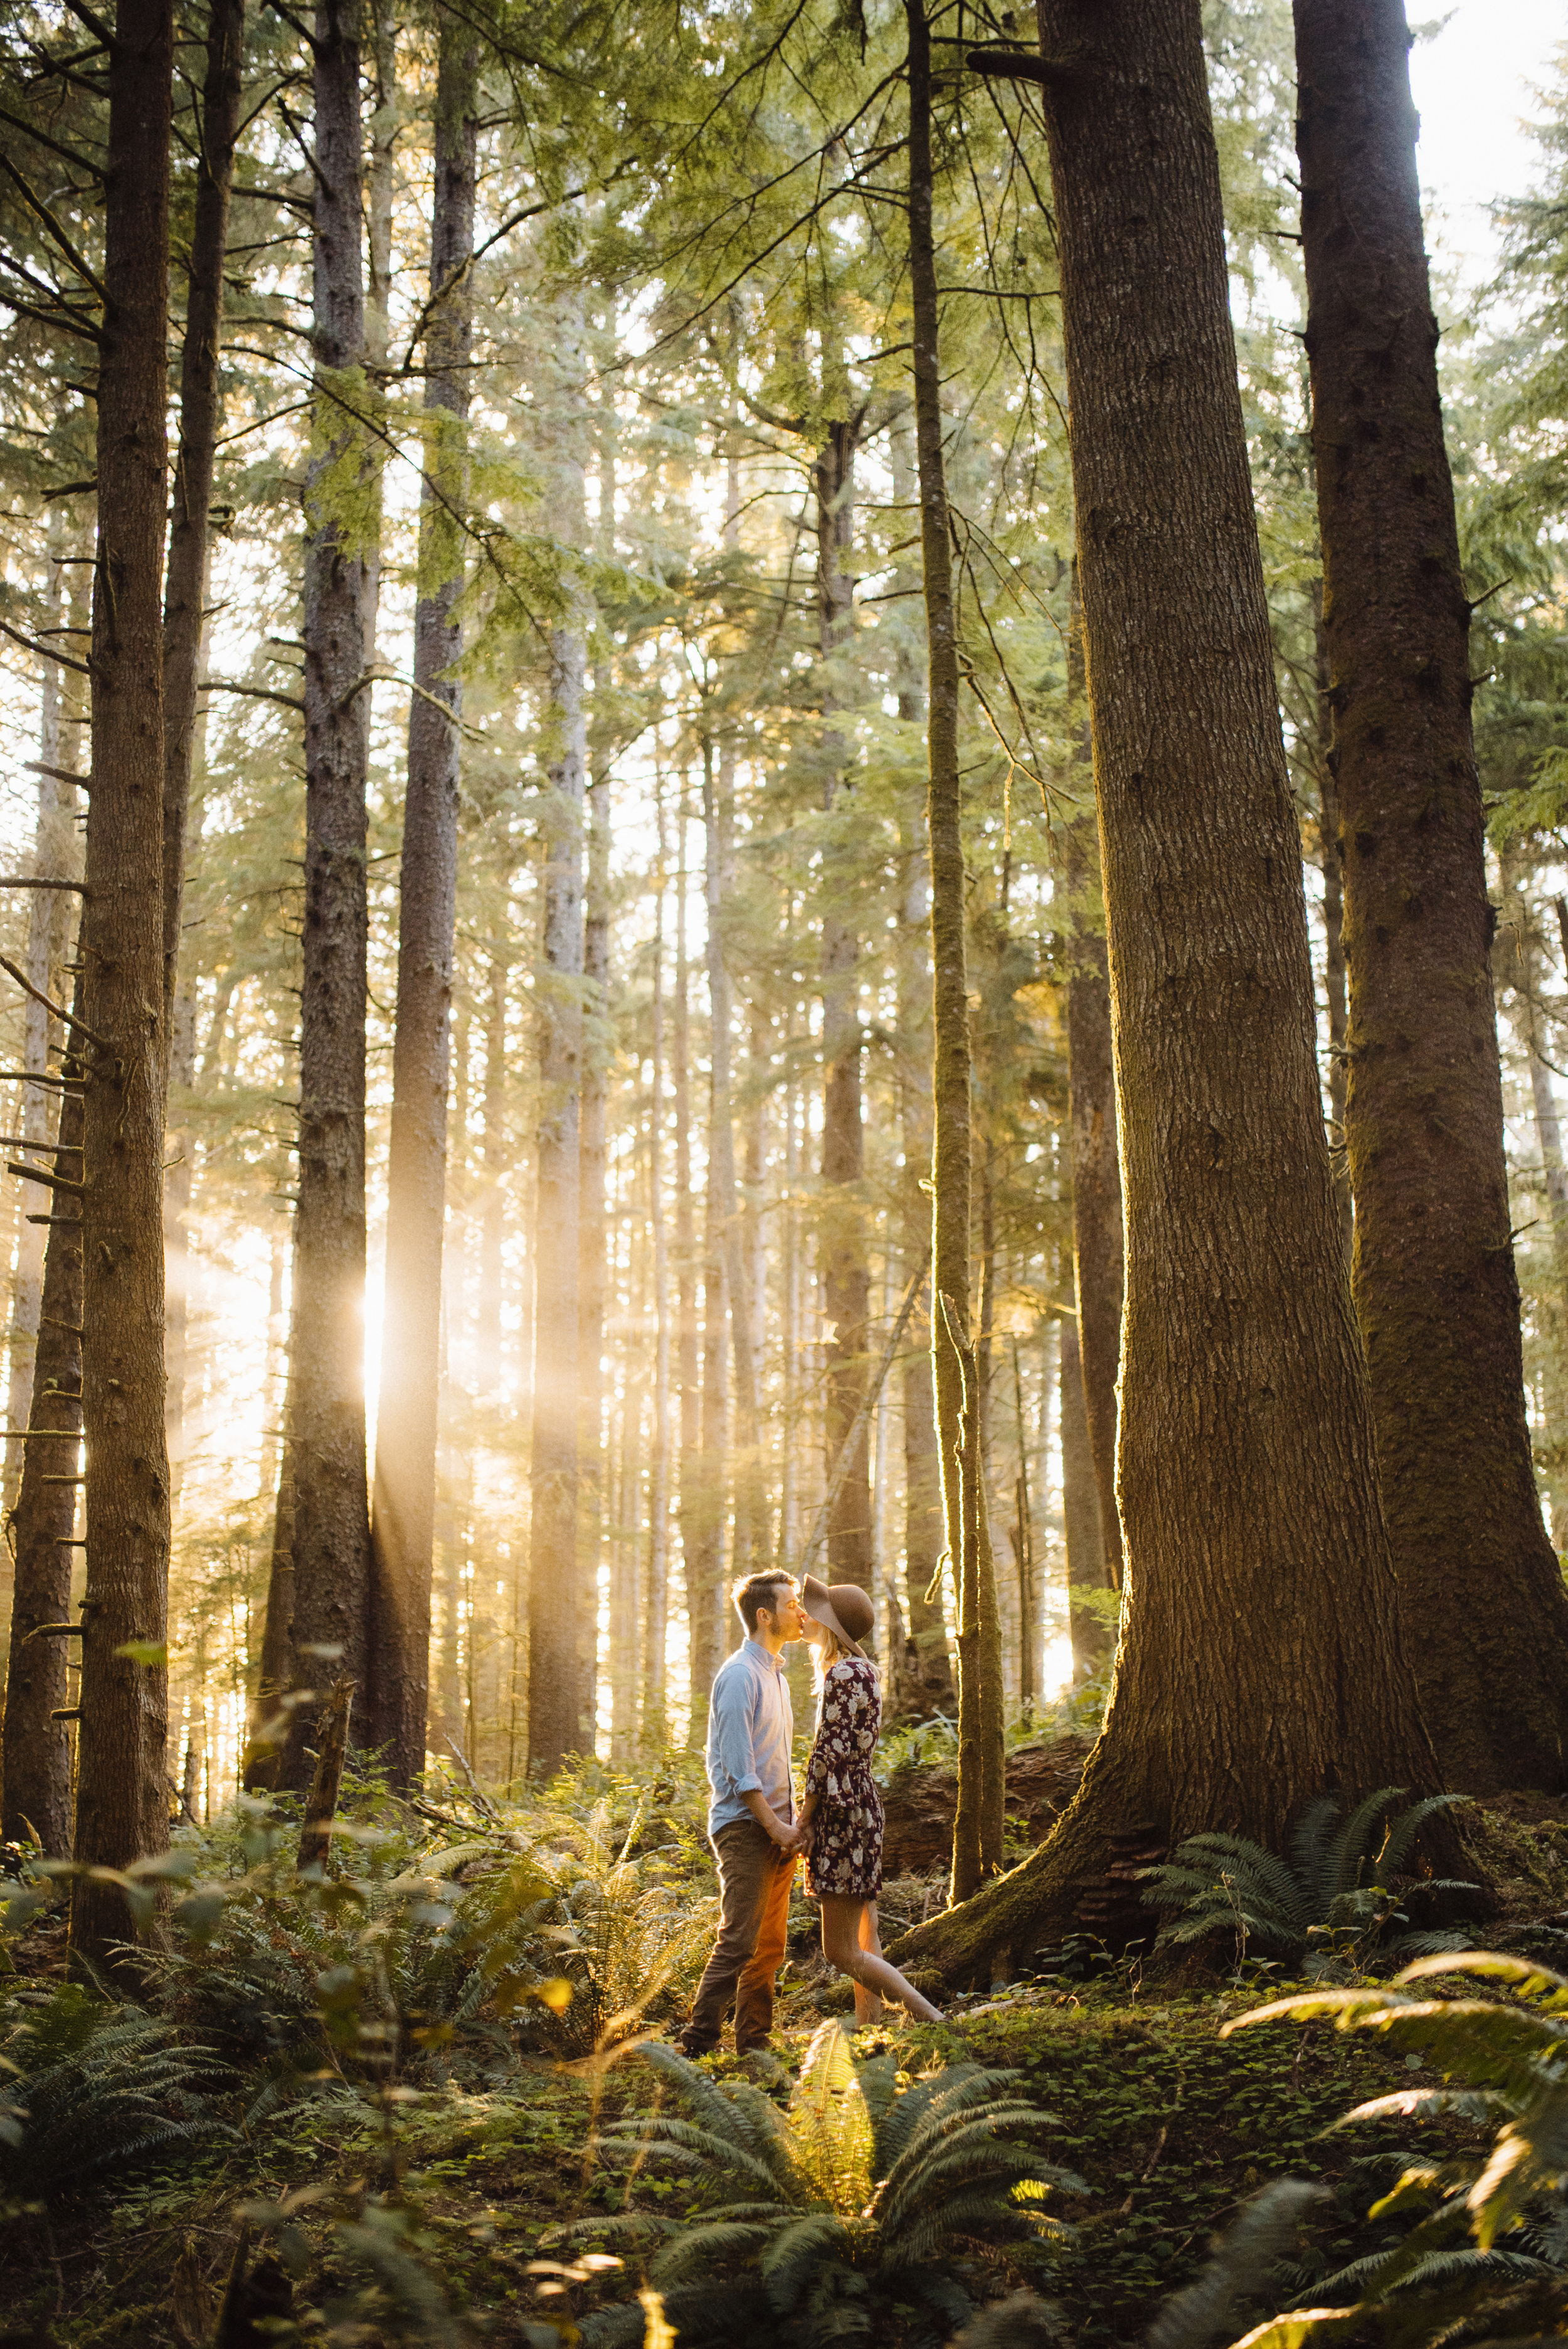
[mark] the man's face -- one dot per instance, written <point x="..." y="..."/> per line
<point x="788" y="1615"/>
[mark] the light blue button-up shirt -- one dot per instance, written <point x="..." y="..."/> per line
<point x="750" y="1731"/>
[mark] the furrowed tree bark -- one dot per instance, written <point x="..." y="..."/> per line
<point x="403" y="1520"/>
<point x="123" y="1811"/>
<point x="1096" y="1157"/>
<point x="331" y="1545"/>
<point x="1248" y="1484"/>
<point x="1436" y="1290"/>
<point x="200" y="416"/>
<point x="36" y="1747"/>
<point x="976" y="1827"/>
<point x="1331" y="854"/>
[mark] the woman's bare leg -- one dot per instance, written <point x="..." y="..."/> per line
<point x="843" y="1946"/>
<point x="869" y="2002"/>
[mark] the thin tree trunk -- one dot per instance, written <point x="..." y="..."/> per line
<point x="656" y="1712"/>
<point x="594" y="1233"/>
<point x="496" y="1158"/>
<point x="55" y="855"/>
<point x="695" y="1560"/>
<point x="1024" y="1552"/>
<point x="728" y="1231"/>
<point x="36" y="1745"/>
<point x="1080" y="1505"/>
<point x="378" y="203"/>
<point x="1250" y="1487"/>
<point x="1436" y="1290"/>
<point x="930" y="1668"/>
<point x="331" y="1545"/>
<point x="200" y="420"/>
<point x="404" y="1520"/>
<point x="122" y="1809"/>
<point x="1097" y="1248"/>
<point x="845" y="1270"/>
<point x="558" y="1612"/>
<point x="979" y="1806"/>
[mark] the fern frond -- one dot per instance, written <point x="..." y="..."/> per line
<point x="1402" y="1832"/>
<point x="1349" y="1854"/>
<point x="1240" y="2269"/>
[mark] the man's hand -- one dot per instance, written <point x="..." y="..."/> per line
<point x="783" y="1832"/>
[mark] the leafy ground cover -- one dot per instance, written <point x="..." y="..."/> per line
<point x="416" y="2161"/>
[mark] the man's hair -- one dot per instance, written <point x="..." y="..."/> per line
<point x="755" y="1590"/>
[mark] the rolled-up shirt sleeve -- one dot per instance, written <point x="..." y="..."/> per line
<point x="735" y="1747"/>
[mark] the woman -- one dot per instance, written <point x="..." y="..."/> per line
<point x="840" y="1817"/>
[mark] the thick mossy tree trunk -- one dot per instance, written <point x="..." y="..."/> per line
<point x="977" y="1821"/>
<point x="1434" y="1280"/>
<point x="1248" y="1485"/>
<point x="331" y="1538"/>
<point x="1096" y="1155"/>
<point x="122" y="1809"/>
<point x="403" y="1521"/>
<point x="201" y="414"/>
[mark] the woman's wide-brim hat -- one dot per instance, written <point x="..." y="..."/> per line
<point x="843" y="1607"/>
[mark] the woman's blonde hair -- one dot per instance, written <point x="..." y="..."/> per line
<point x="827" y="1651"/>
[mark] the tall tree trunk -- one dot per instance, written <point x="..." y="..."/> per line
<point x="331" y="1547"/>
<point x="378" y="206"/>
<point x="1082" y="1520"/>
<point x="36" y="1747"/>
<point x="56" y="857"/>
<point x="122" y="1810"/>
<point x="496" y="1158"/>
<point x="1248" y="1487"/>
<point x="404" y="1520"/>
<point x="976" y="1835"/>
<point x="1331" y="854"/>
<point x="695" y="1561"/>
<point x="728" y="1231"/>
<point x="930" y="1667"/>
<point x="845" y="1270"/>
<point x="1096" y="1159"/>
<point x="593" y="1231"/>
<point x="655" y="1714"/>
<point x="1436" y="1289"/>
<point x="201" y="418"/>
<point x="558" y="1609"/>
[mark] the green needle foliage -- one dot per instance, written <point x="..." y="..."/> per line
<point x="852" y="2196"/>
<point x="1333" y="1891"/>
<point x="1472" y="2259"/>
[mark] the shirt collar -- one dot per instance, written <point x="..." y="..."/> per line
<point x="774" y="1663"/>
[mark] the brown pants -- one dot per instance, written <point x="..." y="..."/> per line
<point x="753" y="1880"/>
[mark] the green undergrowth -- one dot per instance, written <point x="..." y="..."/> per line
<point x="1170" y="2127"/>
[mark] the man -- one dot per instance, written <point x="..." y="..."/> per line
<point x="751" y="1819"/>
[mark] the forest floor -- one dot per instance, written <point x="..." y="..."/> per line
<point x="1170" y="2126"/>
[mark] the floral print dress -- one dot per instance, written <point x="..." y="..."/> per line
<point x="846" y="1826"/>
